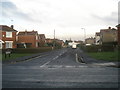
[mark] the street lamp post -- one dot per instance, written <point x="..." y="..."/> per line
<point x="84" y="33"/>
<point x="54" y="40"/>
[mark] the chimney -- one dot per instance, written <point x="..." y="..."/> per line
<point x="26" y="32"/>
<point x="12" y="26"/>
<point x="109" y="28"/>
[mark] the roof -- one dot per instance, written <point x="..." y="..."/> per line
<point x="1" y="41"/>
<point x="118" y="25"/>
<point x="7" y="28"/>
<point x="42" y="35"/>
<point x="108" y="30"/>
<point x="49" y="39"/>
<point x="28" y="33"/>
<point x="98" y="33"/>
<point x="91" y="38"/>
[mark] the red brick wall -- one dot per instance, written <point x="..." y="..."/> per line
<point x="9" y="39"/>
<point x="27" y="39"/>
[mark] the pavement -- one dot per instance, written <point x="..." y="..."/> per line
<point x="60" y="69"/>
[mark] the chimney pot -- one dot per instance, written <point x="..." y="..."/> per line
<point x="109" y="27"/>
<point x="12" y="26"/>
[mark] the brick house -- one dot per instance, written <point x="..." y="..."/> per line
<point x="108" y="35"/>
<point x="8" y="36"/>
<point x="118" y="27"/>
<point x="42" y="40"/>
<point x="51" y="42"/>
<point x="48" y="40"/>
<point x="60" y="42"/>
<point x="27" y="39"/>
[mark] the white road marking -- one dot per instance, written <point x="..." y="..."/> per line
<point x="61" y="66"/>
<point x="53" y="59"/>
<point x="60" y="54"/>
<point x="105" y="64"/>
<point x="70" y="66"/>
<point x="45" y="64"/>
<point x="76" y="55"/>
<point x="49" y="61"/>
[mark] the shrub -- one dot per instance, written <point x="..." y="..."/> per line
<point x="98" y="48"/>
<point x="92" y="48"/>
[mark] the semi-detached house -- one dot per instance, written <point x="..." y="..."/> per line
<point x="118" y="28"/>
<point x="8" y="36"/>
<point x="28" y="39"/>
<point x="108" y="35"/>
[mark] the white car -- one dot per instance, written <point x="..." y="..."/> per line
<point x="74" y="46"/>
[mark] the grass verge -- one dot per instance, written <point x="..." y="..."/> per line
<point x="21" y="52"/>
<point x="14" y="56"/>
<point x="108" y="56"/>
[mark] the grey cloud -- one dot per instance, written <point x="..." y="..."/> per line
<point x="111" y="19"/>
<point x="10" y="10"/>
<point x="119" y="12"/>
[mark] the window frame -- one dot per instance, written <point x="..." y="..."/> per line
<point x="8" y="34"/>
<point x="10" y="45"/>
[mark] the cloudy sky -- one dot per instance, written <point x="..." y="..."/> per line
<point x="67" y="17"/>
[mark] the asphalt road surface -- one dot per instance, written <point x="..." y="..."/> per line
<point x="65" y="68"/>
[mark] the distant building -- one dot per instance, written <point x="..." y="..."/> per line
<point x="90" y="41"/>
<point x="79" y="42"/>
<point x="8" y="36"/>
<point x="42" y="40"/>
<point x="118" y="28"/>
<point x="28" y="39"/>
<point x="97" y="38"/>
<point x="48" y="40"/>
<point x="108" y="35"/>
<point x="60" y="42"/>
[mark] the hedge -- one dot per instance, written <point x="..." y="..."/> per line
<point x="97" y="48"/>
<point x="29" y="50"/>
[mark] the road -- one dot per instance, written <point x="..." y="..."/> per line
<point x="60" y="69"/>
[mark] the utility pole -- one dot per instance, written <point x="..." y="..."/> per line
<point x="84" y="34"/>
<point x="54" y="34"/>
<point x="54" y="40"/>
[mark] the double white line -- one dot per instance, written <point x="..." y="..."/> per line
<point x="52" y="60"/>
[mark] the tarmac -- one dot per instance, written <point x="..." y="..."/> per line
<point x="24" y="58"/>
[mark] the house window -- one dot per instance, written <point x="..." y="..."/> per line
<point x="9" y="34"/>
<point x="9" y="44"/>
